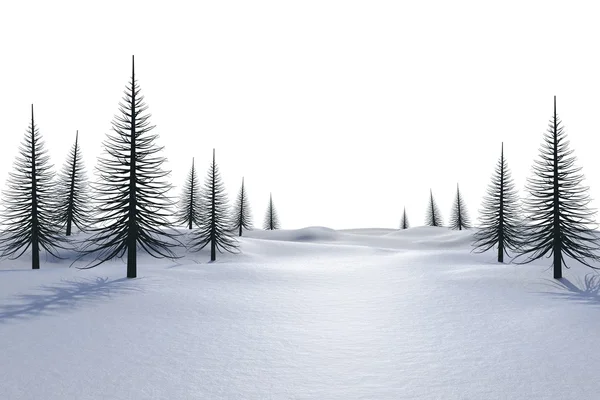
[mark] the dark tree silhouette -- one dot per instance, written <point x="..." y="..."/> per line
<point x="189" y="205"/>
<point x="499" y="218"/>
<point x="132" y="207"/>
<point x="73" y="200"/>
<point x="29" y="203"/>
<point x="459" y="218"/>
<point x="433" y="217"/>
<point x="558" y="219"/>
<point x="404" y="220"/>
<point x="241" y="212"/>
<point x="271" y="219"/>
<point x="215" y="225"/>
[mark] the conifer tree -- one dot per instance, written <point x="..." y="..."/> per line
<point x="189" y="205"/>
<point x="499" y="218"/>
<point x="73" y="200"/>
<point x="241" y="212"/>
<point x="404" y="220"/>
<point x="132" y="206"/>
<point x="433" y="217"/>
<point x="215" y="226"/>
<point x="559" y="223"/>
<point x="459" y="218"/>
<point x="271" y="219"/>
<point x="29" y="206"/>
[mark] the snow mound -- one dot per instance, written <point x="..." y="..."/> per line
<point x="309" y="234"/>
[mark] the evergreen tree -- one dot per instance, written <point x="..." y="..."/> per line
<point x="459" y="218"/>
<point x="404" y="220"/>
<point x="28" y="215"/>
<point x="189" y="205"/>
<point x="73" y="201"/>
<point x="271" y="219"/>
<point x="214" y="221"/>
<point x="500" y="220"/>
<point x="433" y="217"/>
<point x="132" y="207"/>
<point x="241" y="212"/>
<point x="559" y="221"/>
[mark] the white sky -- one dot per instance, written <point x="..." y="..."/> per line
<point x="346" y="110"/>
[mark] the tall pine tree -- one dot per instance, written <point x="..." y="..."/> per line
<point x="500" y="216"/>
<point x="459" y="218"/>
<point x="29" y="202"/>
<point x="189" y="204"/>
<point x="73" y="200"/>
<point x="271" y="219"/>
<point x="215" y="226"/>
<point x="433" y="217"/>
<point x="559" y="222"/>
<point x="241" y="212"/>
<point x="132" y="207"/>
<point x="404" y="220"/>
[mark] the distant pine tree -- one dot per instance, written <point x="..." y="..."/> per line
<point x="189" y="204"/>
<point x="29" y="203"/>
<point x="73" y="200"/>
<point x="271" y="219"/>
<point x="404" y="220"/>
<point x="215" y="226"/>
<point x="132" y="206"/>
<point x="459" y="218"/>
<point x="559" y="221"/>
<point x="500" y="219"/>
<point x="241" y="212"/>
<point x="433" y="217"/>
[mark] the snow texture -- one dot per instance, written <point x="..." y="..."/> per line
<point x="303" y="314"/>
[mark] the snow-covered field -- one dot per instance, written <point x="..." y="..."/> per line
<point x="304" y="314"/>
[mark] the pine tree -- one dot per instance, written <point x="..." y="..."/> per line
<point x="271" y="219"/>
<point x="459" y="218"/>
<point x="404" y="220"/>
<point x="132" y="207"/>
<point x="241" y="213"/>
<point x="28" y="215"/>
<point x="73" y="201"/>
<point x="214" y="221"/>
<point x="433" y="217"/>
<point x="559" y="221"/>
<point x="500" y="219"/>
<point x="189" y="205"/>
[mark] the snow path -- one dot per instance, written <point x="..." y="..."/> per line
<point x="301" y="320"/>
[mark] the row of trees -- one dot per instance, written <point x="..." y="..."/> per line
<point x="129" y="207"/>
<point x="553" y="220"/>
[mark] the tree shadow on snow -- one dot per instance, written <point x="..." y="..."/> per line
<point x="67" y="295"/>
<point x="585" y="290"/>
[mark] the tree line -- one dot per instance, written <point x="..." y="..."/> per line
<point x="127" y="207"/>
<point x="553" y="220"/>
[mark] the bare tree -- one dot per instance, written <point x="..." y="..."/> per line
<point x="271" y="219"/>
<point x="459" y="218"/>
<point x="189" y="205"/>
<point x="433" y="217"/>
<point x="241" y="212"/>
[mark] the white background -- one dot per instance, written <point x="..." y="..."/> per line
<point x="346" y="110"/>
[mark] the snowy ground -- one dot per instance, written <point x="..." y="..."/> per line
<point x="306" y="314"/>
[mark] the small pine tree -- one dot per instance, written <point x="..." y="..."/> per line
<point x="29" y="203"/>
<point x="215" y="226"/>
<point x="271" y="219"/>
<point x="241" y="212"/>
<point x="459" y="218"/>
<point x="433" y="217"/>
<point x="189" y="205"/>
<point x="404" y="220"/>
<point x="73" y="200"/>
<point x="499" y="218"/>
<point x="559" y="221"/>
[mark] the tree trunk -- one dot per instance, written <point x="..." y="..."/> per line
<point x="132" y="228"/>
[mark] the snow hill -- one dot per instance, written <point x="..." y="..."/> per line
<point x="312" y="313"/>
